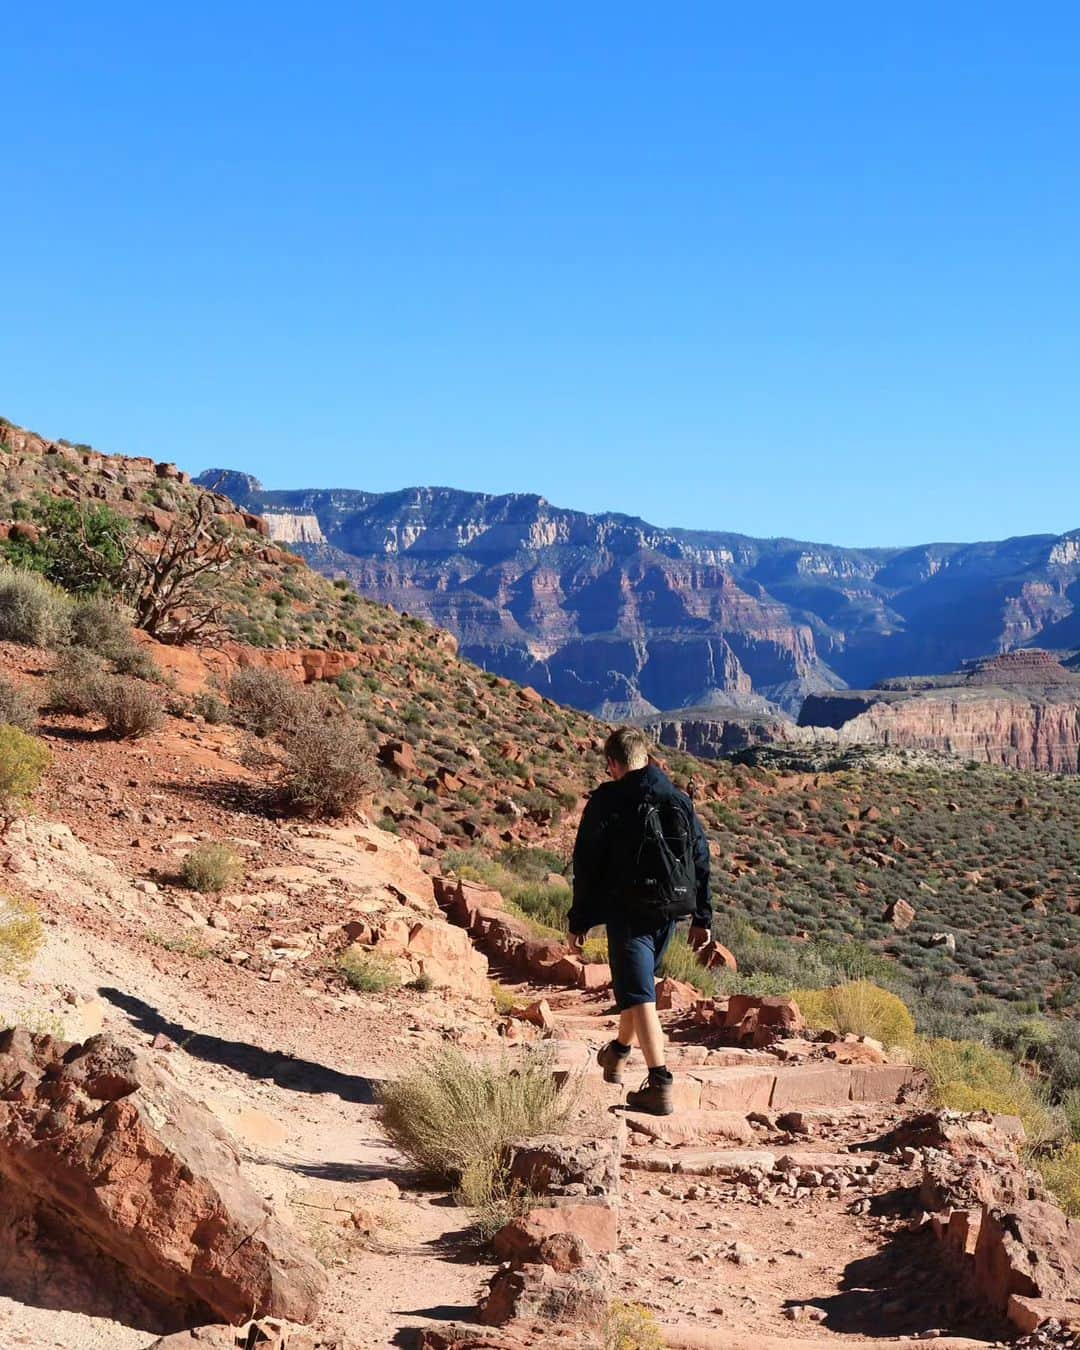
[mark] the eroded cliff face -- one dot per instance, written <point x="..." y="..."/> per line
<point x="1001" y="727"/>
<point x="609" y="612"/>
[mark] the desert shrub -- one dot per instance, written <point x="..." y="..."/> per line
<point x="80" y="548"/>
<point x="32" y="611"/>
<point x="505" y="1000"/>
<point x="1061" y="1172"/>
<point x="630" y="1326"/>
<point x="328" y="767"/>
<point x="595" y="951"/>
<point x="130" y="708"/>
<point x="454" y="1117"/>
<point x="21" y="934"/>
<point x="548" y="905"/>
<point x="859" y="1008"/>
<point x="17" y="708"/>
<point x="23" y="759"/>
<point x="101" y="626"/>
<point x="137" y="661"/>
<point x="77" y="683"/>
<point x="971" y="1076"/>
<point x="212" y="868"/>
<point x="210" y="708"/>
<point x="266" y="701"/>
<point x="1070" y="1106"/>
<point x="423" y="984"/>
<point x="368" y="973"/>
<point x="680" y="963"/>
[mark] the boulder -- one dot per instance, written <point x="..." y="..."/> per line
<point x="675" y="996"/>
<point x="541" y="1294"/>
<point x="98" y="1142"/>
<point x="553" y="1164"/>
<point x="900" y="914"/>
<point x="595" y="1223"/>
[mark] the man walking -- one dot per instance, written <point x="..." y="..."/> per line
<point x="641" y="863"/>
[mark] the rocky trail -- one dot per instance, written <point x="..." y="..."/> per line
<point x="773" y="1210"/>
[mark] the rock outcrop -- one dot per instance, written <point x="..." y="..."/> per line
<point x="117" y="1181"/>
<point x="1012" y="728"/>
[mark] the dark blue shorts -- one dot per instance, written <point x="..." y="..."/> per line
<point x="634" y="955"/>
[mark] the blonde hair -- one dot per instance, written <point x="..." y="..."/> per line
<point x="627" y="746"/>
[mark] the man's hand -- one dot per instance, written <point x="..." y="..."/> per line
<point x="699" y="937"/>
<point x="577" y="941"/>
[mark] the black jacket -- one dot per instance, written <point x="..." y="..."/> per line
<point x="602" y="833"/>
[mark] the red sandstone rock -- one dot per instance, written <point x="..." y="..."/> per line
<point x="100" y="1142"/>
<point x="675" y="996"/>
<point x="540" y="1015"/>
<point x="595" y="1224"/>
<point x="900" y="914"/>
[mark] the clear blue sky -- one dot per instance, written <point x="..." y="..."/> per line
<point x="806" y="269"/>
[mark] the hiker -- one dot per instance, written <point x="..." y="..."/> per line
<point x="641" y="863"/>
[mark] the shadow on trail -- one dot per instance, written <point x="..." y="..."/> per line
<point x="898" y="1291"/>
<point x="297" y="1075"/>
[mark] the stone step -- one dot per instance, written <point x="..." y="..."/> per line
<point x="687" y="1128"/>
<point x="732" y="1161"/>
<point x="760" y="1088"/>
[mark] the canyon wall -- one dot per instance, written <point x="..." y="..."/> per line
<point x="611" y="614"/>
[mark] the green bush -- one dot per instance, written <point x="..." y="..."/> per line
<point x="970" y="1076"/>
<point x="631" y="1326"/>
<point x="80" y="548"/>
<point x="328" y="767"/>
<point x="212" y="868"/>
<point x="17" y="707"/>
<point x="32" y="611"/>
<point x="266" y="701"/>
<point x="130" y="708"/>
<point x="859" y="1008"/>
<point x="454" y="1117"/>
<point x="23" y="760"/>
<point x="21" y="935"/>
<point x="100" y="625"/>
<point x="367" y="972"/>
<point x="680" y="963"/>
<point x="1061" y="1172"/>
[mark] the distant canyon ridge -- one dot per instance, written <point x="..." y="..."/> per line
<point x="715" y="639"/>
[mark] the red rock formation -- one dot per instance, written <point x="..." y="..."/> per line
<point x="97" y="1142"/>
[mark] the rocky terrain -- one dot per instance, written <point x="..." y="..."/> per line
<point x="209" y="983"/>
<point x="614" y="615"/>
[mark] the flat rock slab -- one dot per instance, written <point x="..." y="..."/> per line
<point x="738" y="1089"/>
<point x="702" y="1162"/>
<point x="692" y="1127"/>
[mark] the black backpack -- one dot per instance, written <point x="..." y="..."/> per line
<point x="659" y="875"/>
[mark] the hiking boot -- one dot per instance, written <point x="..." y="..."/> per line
<point x="611" y="1062"/>
<point x="654" y="1097"/>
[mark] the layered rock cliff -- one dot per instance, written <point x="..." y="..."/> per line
<point x="1020" y="711"/>
<point x="612" y="614"/>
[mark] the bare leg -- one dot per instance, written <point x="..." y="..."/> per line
<point x="650" y="1035"/>
<point x="627" y="1030"/>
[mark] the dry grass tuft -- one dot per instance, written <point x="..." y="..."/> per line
<point x="212" y="868"/>
<point x="630" y="1326"/>
<point x="859" y="1008"/>
<point x="23" y="759"/>
<point x="454" y="1117"/>
<point x="21" y="935"/>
